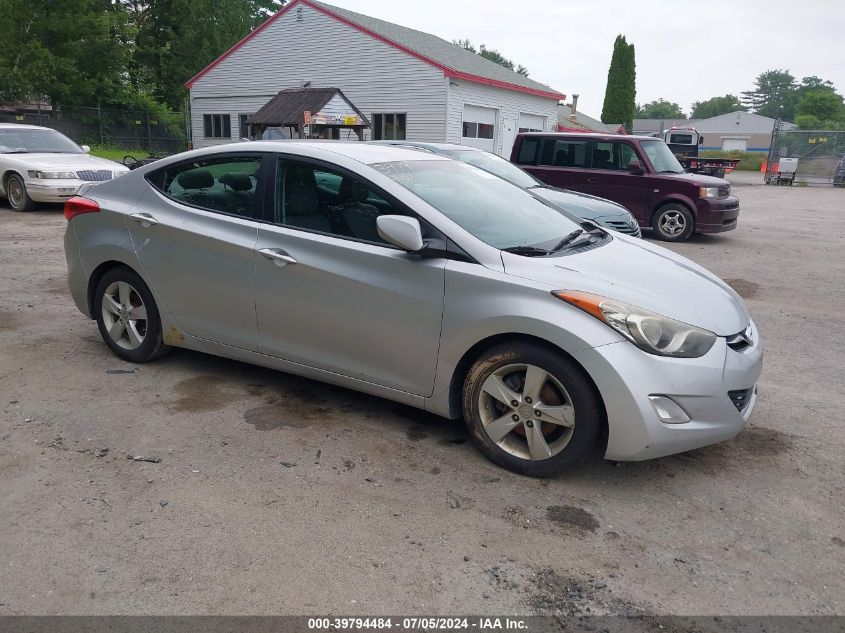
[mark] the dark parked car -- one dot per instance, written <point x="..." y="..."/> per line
<point x="604" y="212"/>
<point x="639" y="172"/>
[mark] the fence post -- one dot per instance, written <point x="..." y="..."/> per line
<point x="149" y="135"/>
<point x="100" y="121"/>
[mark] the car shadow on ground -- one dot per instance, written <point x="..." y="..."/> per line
<point x="274" y="399"/>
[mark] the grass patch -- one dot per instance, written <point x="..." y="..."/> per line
<point x="748" y="161"/>
<point x="117" y="154"/>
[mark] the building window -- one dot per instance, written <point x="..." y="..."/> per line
<point x="478" y="130"/>
<point x="528" y="129"/>
<point x="389" y="127"/>
<point x="242" y="126"/>
<point x="217" y="125"/>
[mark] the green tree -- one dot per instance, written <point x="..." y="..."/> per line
<point x="715" y="106"/>
<point x="71" y="52"/>
<point x="620" y="94"/>
<point x="659" y="109"/>
<point x="178" y="38"/>
<point x="825" y="105"/>
<point x="493" y="55"/>
<point x="774" y="95"/>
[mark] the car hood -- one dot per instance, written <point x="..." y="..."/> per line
<point x="634" y="271"/>
<point x="698" y="180"/>
<point x="581" y="204"/>
<point x="72" y="162"/>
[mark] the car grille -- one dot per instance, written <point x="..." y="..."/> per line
<point x="724" y="191"/>
<point x="623" y="227"/>
<point x="94" y="175"/>
<point x="741" y="398"/>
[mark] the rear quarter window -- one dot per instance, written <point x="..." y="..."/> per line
<point x="527" y="154"/>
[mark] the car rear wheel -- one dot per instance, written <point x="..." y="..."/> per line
<point x="673" y="223"/>
<point x="531" y="410"/>
<point x="16" y="194"/>
<point x="127" y="316"/>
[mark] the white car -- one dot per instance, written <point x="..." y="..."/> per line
<point x="39" y="164"/>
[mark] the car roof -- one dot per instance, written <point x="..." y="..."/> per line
<point x="434" y="147"/>
<point x="6" y="126"/>
<point x="603" y="135"/>
<point x="366" y="153"/>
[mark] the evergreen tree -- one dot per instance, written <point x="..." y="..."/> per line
<point x="621" y="92"/>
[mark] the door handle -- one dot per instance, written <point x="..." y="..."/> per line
<point x="145" y="219"/>
<point x="279" y="257"/>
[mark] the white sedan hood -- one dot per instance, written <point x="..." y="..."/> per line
<point x="644" y="275"/>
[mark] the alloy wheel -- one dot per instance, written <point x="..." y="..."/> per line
<point x="526" y="411"/>
<point x="672" y="223"/>
<point x="124" y="315"/>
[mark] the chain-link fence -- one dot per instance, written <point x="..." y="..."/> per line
<point x="155" y="132"/>
<point x="820" y="155"/>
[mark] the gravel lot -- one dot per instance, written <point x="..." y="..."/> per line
<point x="279" y="495"/>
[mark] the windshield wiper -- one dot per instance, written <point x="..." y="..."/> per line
<point x="527" y="251"/>
<point x="17" y="151"/>
<point x="566" y="241"/>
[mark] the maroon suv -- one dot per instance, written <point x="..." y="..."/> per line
<point x="639" y="172"/>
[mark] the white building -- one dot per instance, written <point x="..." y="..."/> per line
<point x="411" y="85"/>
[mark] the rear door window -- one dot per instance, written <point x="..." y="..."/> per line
<point x="564" y="153"/>
<point x="225" y="184"/>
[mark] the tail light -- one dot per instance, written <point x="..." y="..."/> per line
<point x="77" y="206"/>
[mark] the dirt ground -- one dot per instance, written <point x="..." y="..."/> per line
<point x="279" y="495"/>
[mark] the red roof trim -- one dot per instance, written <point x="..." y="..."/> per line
<point x="449" y="72"/>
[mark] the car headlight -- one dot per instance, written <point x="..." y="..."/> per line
<point x="52" y="175"/>
<point x="708" y="192"/>
<point x="652" y="333"/>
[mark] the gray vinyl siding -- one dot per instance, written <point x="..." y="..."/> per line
<point x="509" y="104"/>
<point x="373" y="75"/>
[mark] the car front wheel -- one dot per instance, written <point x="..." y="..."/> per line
<point x="673" y="223"/>
<point x="531" y="410"/>
<point x="16" y="193"/>
<point x="127" y="316"/>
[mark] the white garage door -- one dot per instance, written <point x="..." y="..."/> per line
<point x="479" y="127"/>
<point x="531" y="122"/>
<point x="731" y="144"/>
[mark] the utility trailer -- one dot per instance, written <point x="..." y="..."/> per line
<point x="684" y="143"/>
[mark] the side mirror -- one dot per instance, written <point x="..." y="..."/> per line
<point x="701" y="140"/>
<point x="635" y="168"/>
<point x="401" y="231"/>
<point x="86" y="149"/>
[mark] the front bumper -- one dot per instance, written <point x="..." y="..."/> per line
<point x="44" y="190"/>
<point x="717" y="215"/>
<point x="627" y="376"/>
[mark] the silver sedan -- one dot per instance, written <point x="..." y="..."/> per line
<point x="424" y="280"/>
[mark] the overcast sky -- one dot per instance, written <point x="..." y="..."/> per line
<point x="686" y="50"/>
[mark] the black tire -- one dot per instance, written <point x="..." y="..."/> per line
<point x="673" y="222"/>
<point x="152" y="345"/>
<point x="17" y="195"/>
<point x="584" y="435"/>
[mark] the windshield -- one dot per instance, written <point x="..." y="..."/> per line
<point x="661" y="157"/>
<point x="495" y="165"/>
<point x="492" y="209"/>
<point x="27" y="140"/>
